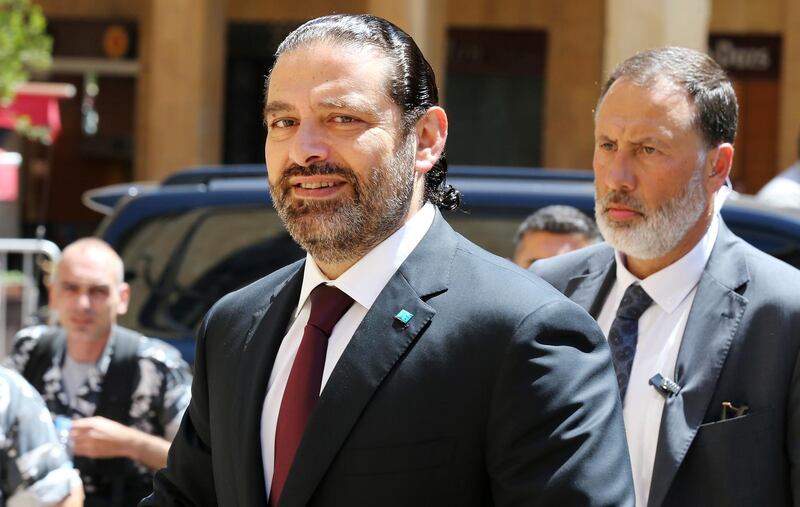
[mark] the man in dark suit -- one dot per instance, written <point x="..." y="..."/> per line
<point x="451" y="377"/>
<point x="708" y="365"/>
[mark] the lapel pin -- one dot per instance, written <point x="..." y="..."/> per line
<point x="404" y="317"/>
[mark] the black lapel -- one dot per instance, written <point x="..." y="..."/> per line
<point x="590" y="288"/>
<point x="261" y="347"/>
<point x="713" y="320"/>
<point x="378" y="343"/>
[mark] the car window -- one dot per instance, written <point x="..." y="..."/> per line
<point x="784" y="247"/>
<point x="180" y="265"/>
<point x="492" y="233"/>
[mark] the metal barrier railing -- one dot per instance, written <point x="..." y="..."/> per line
<point x="30" y="251"/>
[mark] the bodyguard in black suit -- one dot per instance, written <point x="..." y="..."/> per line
<point x="466" y="382"/>
<point x="728" y="434"/>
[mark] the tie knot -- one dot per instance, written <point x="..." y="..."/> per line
<point x="328" y="304"/>
<point x="634" y="302"/>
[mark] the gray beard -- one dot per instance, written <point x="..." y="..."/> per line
<point x="661" y="230"/>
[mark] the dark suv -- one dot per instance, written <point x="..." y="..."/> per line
<point x="205" y="232"/>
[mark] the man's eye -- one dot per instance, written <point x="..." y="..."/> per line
<point x="607" y="146"/>
<point x="99" y="292"/>
<point x="649" y="150"/>
<point x="282" y="123"/>
<point x="70" y="289"/>
<point x="341" y="118"/>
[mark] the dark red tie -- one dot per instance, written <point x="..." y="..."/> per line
<point x="328" y="304"/>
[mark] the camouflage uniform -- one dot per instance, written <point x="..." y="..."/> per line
<point x="33" y="463"/>
<point x="162" y="392"/>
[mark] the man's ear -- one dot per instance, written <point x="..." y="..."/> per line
<point x="431" y="137"/>
<point x="124" y="298"/>
<point x="720" y="161"/>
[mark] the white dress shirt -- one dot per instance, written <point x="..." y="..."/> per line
<point x="660" y="334"/>
<point x="363" y="282"/>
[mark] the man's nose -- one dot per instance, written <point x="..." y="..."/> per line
<point x="619" y="173"/>
<point x="309" y="144"/>
<point x="84" y="301"/>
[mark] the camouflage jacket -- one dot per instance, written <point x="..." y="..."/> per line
<point x="161" y="395"/>
<point x="33" y="463"/>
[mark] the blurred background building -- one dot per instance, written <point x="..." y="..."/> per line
<point x="162" y="85"/>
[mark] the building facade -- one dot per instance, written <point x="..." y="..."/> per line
<point x="166" y="85"/>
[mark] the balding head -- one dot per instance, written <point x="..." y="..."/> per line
<point x="99" y="249"/>
<point x="88" y="292"/>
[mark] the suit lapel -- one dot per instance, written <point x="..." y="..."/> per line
<point x="261" y="347"/>
<point x="378" y="343"/>
<point x="590" y="288"/>
<point x="713" y="320"/>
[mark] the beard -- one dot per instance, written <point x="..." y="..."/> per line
<point x="659" y="230"/>
<point x="347" y="227"/>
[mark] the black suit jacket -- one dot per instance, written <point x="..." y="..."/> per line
<point x="499" y="391"/>
<point x="740" y="345"/>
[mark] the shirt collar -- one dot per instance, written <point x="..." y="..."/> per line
<point x="672" y="284"/>
<point x="365" y="279"/>
<point x="103" y="361"/>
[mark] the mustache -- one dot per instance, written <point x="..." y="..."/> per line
<point x="318" y="169"/>
<point x="282" y="187"/>
<point x="622" y="198"/>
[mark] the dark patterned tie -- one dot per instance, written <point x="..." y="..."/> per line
<point x="328" y="304"/>
<point x="624" y="333"/>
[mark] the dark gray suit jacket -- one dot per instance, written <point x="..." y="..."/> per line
<point x="740" y="345"/>
<point x="499" y="391"/>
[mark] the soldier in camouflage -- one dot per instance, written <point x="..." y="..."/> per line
<point x="34" y="466"/>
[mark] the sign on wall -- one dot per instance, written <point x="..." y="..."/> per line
<point x="747" y="55"/>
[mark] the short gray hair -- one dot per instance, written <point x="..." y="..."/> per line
<point x="558" y="219"/>
<point x="697" y="74"/>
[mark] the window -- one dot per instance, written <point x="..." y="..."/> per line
<point x="495" y="96"/>
<point x="180" y="265"/>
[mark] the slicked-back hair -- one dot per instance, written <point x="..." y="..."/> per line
<point x="411" y="85"/>
<point x="697" y="74"/>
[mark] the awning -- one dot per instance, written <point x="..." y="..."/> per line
<point x="39" y="102"/>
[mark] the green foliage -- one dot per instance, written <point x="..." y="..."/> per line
<point x="40" y="133"/>
<point x="24" y="44"/>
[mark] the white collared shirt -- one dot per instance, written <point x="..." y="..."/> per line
<point x="660" y="334"/>
<point x="363" y="282"/>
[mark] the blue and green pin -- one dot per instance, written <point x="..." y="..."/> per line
<point x="404" y="316"/>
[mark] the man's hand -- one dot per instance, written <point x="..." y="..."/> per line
<point x="98" y="437"/>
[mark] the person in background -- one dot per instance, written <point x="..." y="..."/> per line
<point x="35" y="469"/>
<point x="784" y="189"/>
<point x="124" y="393"/>
<point x="551" y="231"/>
<point x="704" y="329"/>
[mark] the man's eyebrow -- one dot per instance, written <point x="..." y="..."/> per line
<point x="342" y="103"/>
<point x="648" y="140"/>
<point x="277" y="106"/>
<point x="361" y="106"/>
